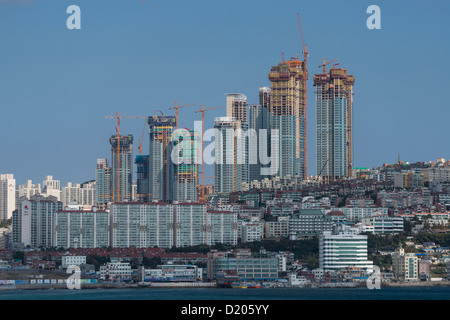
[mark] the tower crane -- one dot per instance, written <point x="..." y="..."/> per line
<point x="142" y="137"/>
<point x="305" y="91"/>
<point x="324" y="65"/>
<point x="177" y="108"/>
<point x="117" y="117"/>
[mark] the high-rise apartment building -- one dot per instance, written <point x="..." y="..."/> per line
<point x="122" y="167"/>
<point x="231" y="155"/>
<point x="142" y="225"/>
<point x="166" y="225"/>
<point x="334" y="105"/>
<point x="28" y="189"/>
<point x="160" y="169"/>
<point x="288" y="114"/>
<point x="142" y="170"/>
<point x="103" y="182"/>
<point x="80" y="194"/>
<point x="258" y="120"/>
<point x="7" y="196"/>
<point x="81" y="229"/>
<point x="34" y="225"/>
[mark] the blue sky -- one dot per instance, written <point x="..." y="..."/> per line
<point x="139" y="56"/>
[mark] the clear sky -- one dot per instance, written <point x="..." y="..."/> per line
<point x="138" y="56"/>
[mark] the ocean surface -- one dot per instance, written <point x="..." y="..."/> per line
<point x="410" y="293"/>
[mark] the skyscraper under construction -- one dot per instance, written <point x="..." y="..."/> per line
<point x="334" y="103"/>
<point x="160" y="171"/>
<point x="121" y="168"/>
<point x="287" y="113"/>
<point x="184" y="148"/>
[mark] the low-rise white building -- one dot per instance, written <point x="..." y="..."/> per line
<point x="68" y="261"/>
<point x="117" y="271"/>
<point x="383" y="224"/>
<point x="357" y="214"/>
<point x="172" y="273"/>
<point x="341" y="251"/>
<point x="252" y="230"/>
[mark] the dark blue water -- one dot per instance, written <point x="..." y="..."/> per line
<point x="413" y="293"/>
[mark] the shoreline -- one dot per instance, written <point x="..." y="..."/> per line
<point x="213" y="286"/>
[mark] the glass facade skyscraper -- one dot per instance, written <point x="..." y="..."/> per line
<point x="287" y="113"/>
<point x="334" y="105"/>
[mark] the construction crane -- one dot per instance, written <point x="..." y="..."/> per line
<point x="324" y="65"/>
<point x="142" y="137"/>
<point x="305" y="46"/>
<point x="305" y="91"/>
<point x="202" y="111"/>
<point x="177" y="108"/>
<point x="117" y="117"/>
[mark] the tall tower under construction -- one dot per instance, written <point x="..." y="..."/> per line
<point x="121" y="168"/>
<point x="287" y="113"/>
<point x="184" y="147"/>
<point x="334" y="103"/>
<point x="237" y="107"/>
<point x="160" y="169"/>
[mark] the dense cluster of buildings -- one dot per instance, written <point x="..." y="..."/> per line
<point x="261" y="187"/>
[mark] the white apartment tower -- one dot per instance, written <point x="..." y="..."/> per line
<point x="7" y="196"/>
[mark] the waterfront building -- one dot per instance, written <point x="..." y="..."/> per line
<point x="340" y="251"/>
<point x="172" y="273"/>
<point x="67" y="261"/>
<point x="405" y="265"/>
<point x="117" y="271"/>
<point x="245" y="266"/>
